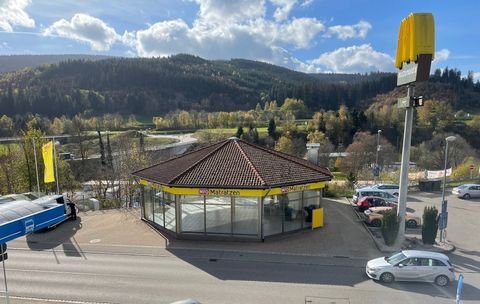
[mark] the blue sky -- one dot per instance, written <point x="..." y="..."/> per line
<point x="342" y="36"/>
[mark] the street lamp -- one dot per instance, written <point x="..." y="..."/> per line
<point x="376" y="155"/>
<point x="447" y="140"/>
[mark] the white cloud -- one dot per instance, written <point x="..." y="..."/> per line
<point x="12" y="13"/>
<point x="306" y="3"/>
<point x="355" y="59"/>
<point x="443" y="54"/>
<point x="283" y="8"/>
<point x="476" y="76"/>
<point x="221" y="11"/>
<point x="344" y="32"/>
<point x="85" y="28"/>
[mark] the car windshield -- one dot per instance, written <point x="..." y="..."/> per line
<point x="462" y="187"/>
<point x="396" y="258"/>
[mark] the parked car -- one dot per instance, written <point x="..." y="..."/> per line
<point x="373" y="192"/>
<point x="390" y="188"/>
<point x="375" y="217"/>
<point x="412" y="265"/>
<point x="467" y="191"/>
<point x="370" y="201"/>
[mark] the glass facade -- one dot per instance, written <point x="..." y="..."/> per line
<point x="218" y="210"/>
<point x="159" y="208"/>
<point x="148" y="203"/>
<point x="192" y="213"/>
<point x="230" y="215"/>
<point x="245" y="215"/>
<point x="170" y="207"/>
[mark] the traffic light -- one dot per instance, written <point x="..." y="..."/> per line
<point x="3" y="252"/>
<point x="417" y="101"/>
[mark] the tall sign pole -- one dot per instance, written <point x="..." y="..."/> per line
<point x="407" y="140"/>
<point x="415" y="50"/>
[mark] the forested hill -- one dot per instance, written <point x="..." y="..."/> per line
<point x="155" y="86"/>
<point x="447" y="85"/>
<point x="10" y="63"/>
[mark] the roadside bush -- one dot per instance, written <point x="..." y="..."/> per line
<point x="109" y="204"/>
<point x="335" y="190"/>
<point x="390" y="226"/>
<point x="351" y="178"/>
<point x="430" y="225"/>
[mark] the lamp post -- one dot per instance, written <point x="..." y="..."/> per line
<point x="447" y="140"/>
<point x="376" y="155"/>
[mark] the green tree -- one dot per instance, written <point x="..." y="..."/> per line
<point x="430" y="225"/>
<point x="285" y="145"/>
<point x="272" y="128"/>
<point x="6" y="126"/>
<point x="390" y="225"/>
<point x="239" y="132"/>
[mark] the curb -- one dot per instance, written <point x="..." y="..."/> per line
<point x="374" y="239"/>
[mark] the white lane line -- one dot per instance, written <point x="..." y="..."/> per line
<point x="54" y="300"/>
<point x="72" y="273"/>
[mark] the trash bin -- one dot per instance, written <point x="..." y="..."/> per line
<point x="429" y="185"/>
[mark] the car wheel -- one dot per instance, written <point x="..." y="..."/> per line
<point x="387" y="277"/>
<point x="411" y="224"/>
<point x="442" y="280"/>
<point x="376" y="223"/>
<point x="466" y="196"/>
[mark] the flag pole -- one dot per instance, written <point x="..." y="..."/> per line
<point x="36" y="164"/>
<point x="55" y="164"/>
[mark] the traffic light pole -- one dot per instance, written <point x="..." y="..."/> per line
<point x="403" y="191"/>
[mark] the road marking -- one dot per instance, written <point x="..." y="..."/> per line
<point x="93" y="252"/>
<point x="72" y="273"/>
<point x="54" y="300"/>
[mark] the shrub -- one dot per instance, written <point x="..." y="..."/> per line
<point x="430" y="225"/>
<point x="390" y="226"/>
<point x="335" y="190"/>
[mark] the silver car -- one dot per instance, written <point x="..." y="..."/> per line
<point x="412" y="265"/>
<point x="359" y="193"/>
<point x="467" y="191"/>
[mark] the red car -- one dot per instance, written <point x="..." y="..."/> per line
<point x="370" y="201"/>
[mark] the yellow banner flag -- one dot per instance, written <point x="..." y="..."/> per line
<point x="47" y="152"/>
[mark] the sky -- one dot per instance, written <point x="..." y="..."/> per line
<point x="340" y="36"/>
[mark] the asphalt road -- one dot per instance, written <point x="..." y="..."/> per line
<point x="146" y="274"/>
<point x="114" y="278"/>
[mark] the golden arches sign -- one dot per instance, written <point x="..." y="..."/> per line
<point x="415" y="48"/>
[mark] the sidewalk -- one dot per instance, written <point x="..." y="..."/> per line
<point x="123" y="232"/>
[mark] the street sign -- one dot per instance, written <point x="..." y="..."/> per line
<point x="472" y="167"/>
<point x="443" y="220"/>
<point x="403" y="102"/>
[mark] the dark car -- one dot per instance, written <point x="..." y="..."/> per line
<point x="371" y="201"/>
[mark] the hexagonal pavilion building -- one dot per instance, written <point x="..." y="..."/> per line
<point x="231" y="189"/>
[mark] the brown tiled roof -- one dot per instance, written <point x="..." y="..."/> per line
<point x="234" y="163"/>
